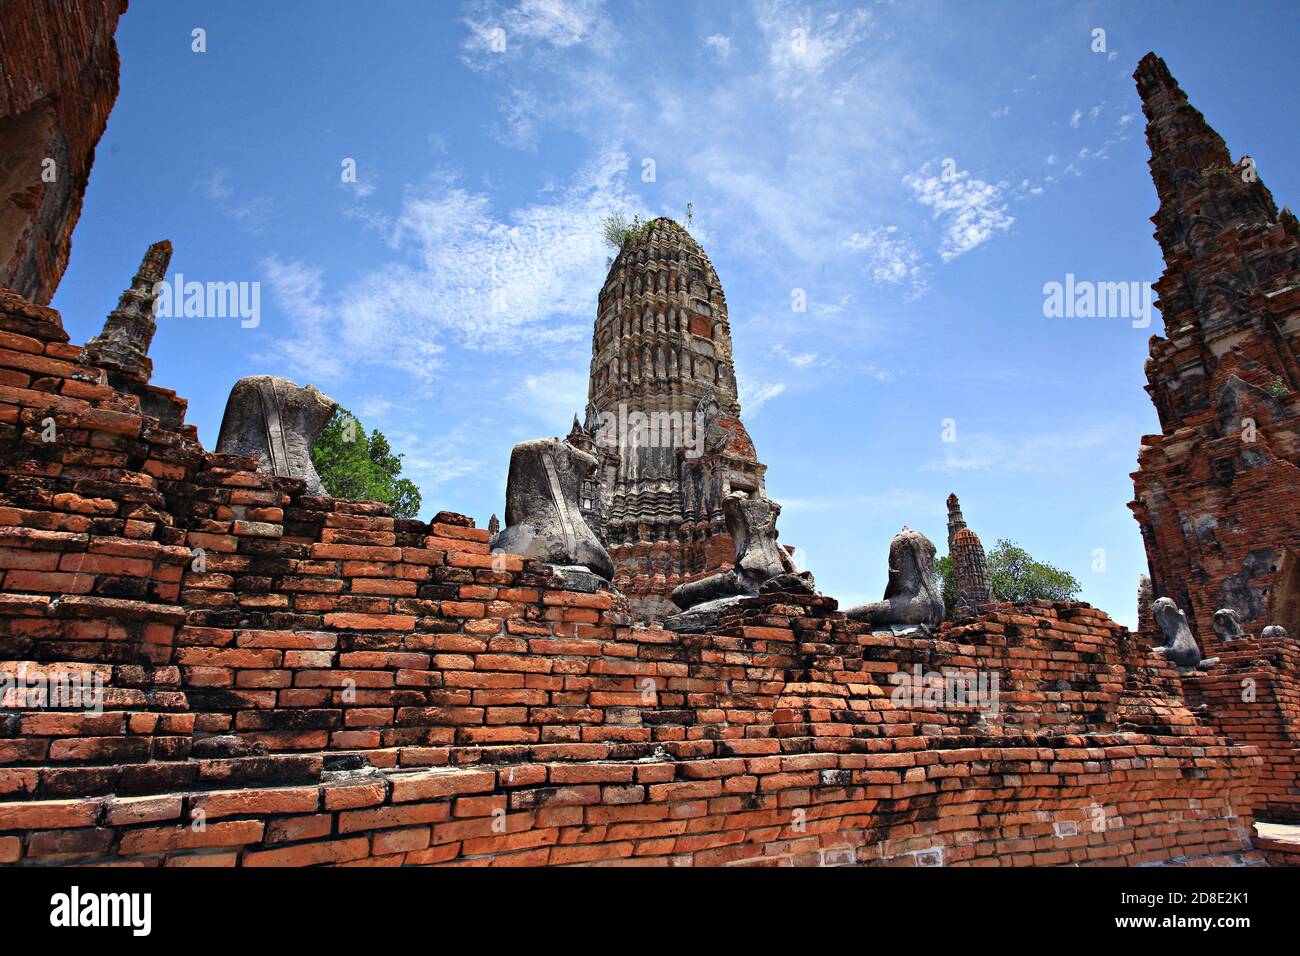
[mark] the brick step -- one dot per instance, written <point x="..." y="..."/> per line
<point x="155" y="776"/>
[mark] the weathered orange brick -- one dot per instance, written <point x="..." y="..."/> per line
<point x="311" y="854"/>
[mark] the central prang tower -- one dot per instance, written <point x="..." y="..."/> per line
<point x="663" y="419"/>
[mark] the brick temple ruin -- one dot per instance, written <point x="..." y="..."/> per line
<point x="663" y="417"/>
<point x="292" y="679"/>
<point x="1217" y="493"/>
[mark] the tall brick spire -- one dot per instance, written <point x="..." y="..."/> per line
<point x="661" y="354"/>
<point x="970" y="566"/>
<point x="1202" y="191"/>
<point x="123" y="346"/>
<point x="1215" y="493"/>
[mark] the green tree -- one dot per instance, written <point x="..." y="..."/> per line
<point x="1015" y="576"/>
<point x="358" y="468"/>
<point x="943" y="577"/>
<point x="618" y="232"/>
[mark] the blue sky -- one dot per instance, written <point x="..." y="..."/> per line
<point x="447" y="296"/>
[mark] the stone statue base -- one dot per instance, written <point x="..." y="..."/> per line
<point x="703" y="617"/>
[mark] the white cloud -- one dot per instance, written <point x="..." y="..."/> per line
<point x="374" y="407"/>
<point x="434" y="460"/>
<point x="560" y="23"/>
<point x="1076" y="118"/>
<point x="520" y="119"/>
<point x="754" y="394"/>
<point x="892" y="259"/>
<point x="719" y="44"/>
<point x="462" y="275"/>
<point x="801" y="46"/>
<point x="553" y="24"/>
<point x="972" y="208"/>
<point x="1000" y="113"/>
<point x="359" y="189"/>
<point x="217" y="186"/>
<point x="311" y="347"/>
<point x="804" y="360"/>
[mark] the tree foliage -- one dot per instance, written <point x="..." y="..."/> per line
<point x="360" y="468"/>
<point x="616" y="230"/>
<point x="1015" y="576"/>
<point x="943" y="577"/>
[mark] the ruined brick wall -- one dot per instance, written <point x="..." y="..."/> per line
<point x="1253" y="697"/>
<point x="58" y="83"/>
<point x="299" y="680"/>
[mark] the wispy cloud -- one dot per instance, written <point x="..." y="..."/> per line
<point x="251" y="215"/>
<point x="802" y="45"/>
<point x="972" y="209"/>
<point x="374" y="407"/>
<point x="892" y="259"/>
<point x="312" y="349"/>
<point x="804" y="360"/>
<point x="754" y="394"/>
<point x="519" y="120"/>
<point x="1019" y="454"/>
<point x="498" y="32"/>
<point x="719" y="44"/>
<point x="462" y="275"/>
<point x="433" y="460"/>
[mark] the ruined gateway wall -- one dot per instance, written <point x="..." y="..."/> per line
<point x="1253" y="696"/>
<point x="415" y="700"/>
